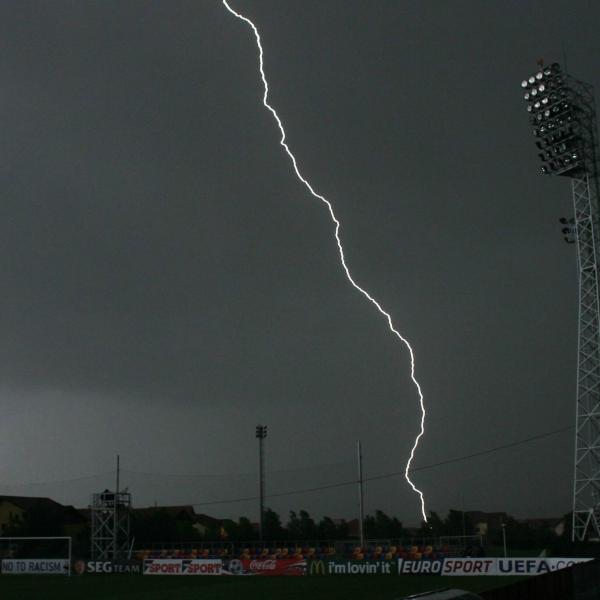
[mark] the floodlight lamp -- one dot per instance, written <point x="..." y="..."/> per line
<point x="541" y="87"/>
<point x="545" y="170"/>
<point x="534" y="91"/>
<point x="545" y="100"/>
<point x="547" y="113"/>
<point x="539" y="75"/>
<point x="537" y="104"/>
<point x="524" y="83"/>
<point x="547" y="71"/>
<point x="526" y="95"/>
<point x="531" y="79"/>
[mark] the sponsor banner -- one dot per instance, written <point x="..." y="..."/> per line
<point x="97" y="567"/>
<point x="35" y="566"/>
<point x="506" y="566"/>
<point x="420" y="567"/>
<point x="279" y="566"/>
<point x="535" y="566"/>
<point x="350" y="567"/>
<point x="163" y="566"/>
<point x="185" y="566"/>
<point x="202" y="566"/>
<point x="469" y="566"/>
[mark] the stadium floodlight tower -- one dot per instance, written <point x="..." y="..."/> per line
<point x="563" y="118"/>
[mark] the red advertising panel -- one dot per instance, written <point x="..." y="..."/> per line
<point x="269" y="566"/>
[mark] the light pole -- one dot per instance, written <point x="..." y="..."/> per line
<point x="261" y="434"/>
<point x="504" y="538"/>
<point x="563" y="118"/>
<point x="361" y="517"/>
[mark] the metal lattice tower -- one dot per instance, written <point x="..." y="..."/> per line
<point x="110" y="525"/>
<point x="564" y="122"/>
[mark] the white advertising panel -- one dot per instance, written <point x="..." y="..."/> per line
<point x="535" y="566"/>
<point x="185" y="566"/>
<point x="202" y="566"/>
<point x="162" y="566"/>
<point x="499" y="566"/>
<point x="35" y="566"/>
<point x="469" y="566"/>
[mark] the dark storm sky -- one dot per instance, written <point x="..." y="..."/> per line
<point x="167" y="283"/>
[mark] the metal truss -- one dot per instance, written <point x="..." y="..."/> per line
<point x="584" y="186"/>
<point x="110" y="525"/>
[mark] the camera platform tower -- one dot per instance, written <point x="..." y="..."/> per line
<point x="563" y="118"/>
<point x="110" y="525"/>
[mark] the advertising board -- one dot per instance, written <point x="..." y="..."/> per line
<point x="185" y="566"/>
<point x="420" y="567"/>
<point x="506" y="566"/>
<point x="202" y="566"/>
<point x="162" y="566"/>
<point x="534" y="566"/>
<point x="35" y="566"/>
<point x="102" y="567"/>
<point x="350" y="567"/>
<point x="265" y="567"/>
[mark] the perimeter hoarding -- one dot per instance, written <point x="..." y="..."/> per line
<point x="102" y="567"/>
<point x="351" y="567"/>
<point x="486" y="566"/>
<point x="265" y="567"/>
<point x="186" y="566"/>
<point x="35" y="566"/>
<point x="183" y="566"/>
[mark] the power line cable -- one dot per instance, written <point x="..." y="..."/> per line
<point x="306" y="490"/>
<point x="247" y="474"/>
<point x="82" y="478"/>
<point x="394" y="473"/>
<point x="475" y="454"/>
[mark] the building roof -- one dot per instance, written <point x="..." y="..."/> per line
<point x="27" y="502"/>
<point x="68" y="513"/>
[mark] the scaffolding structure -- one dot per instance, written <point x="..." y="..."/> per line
<point x="110" y="526"/>
<point x="563" y="116"/>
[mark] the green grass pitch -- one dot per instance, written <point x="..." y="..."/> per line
<point x="138" y="587"/>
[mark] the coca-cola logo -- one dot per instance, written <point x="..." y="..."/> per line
<point x="263" y="565"/>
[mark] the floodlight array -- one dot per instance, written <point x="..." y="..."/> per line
<point x="553" y="113"/>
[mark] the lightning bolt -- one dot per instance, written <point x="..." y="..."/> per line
<point x="341" y="251"/>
